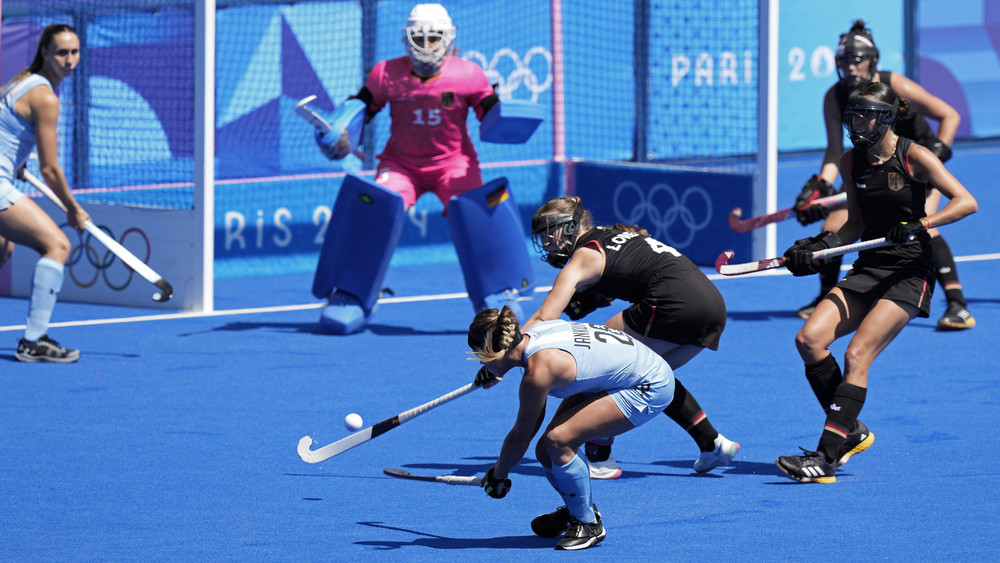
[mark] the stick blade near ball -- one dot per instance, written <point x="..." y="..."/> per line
<point x="447" y="479"/>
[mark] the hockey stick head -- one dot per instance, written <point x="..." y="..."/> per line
<point x="724" y="257"/>
<point x="166" y="291"/>
<point x="734" y="219"/>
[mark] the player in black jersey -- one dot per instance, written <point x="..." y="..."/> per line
<point x="887" y="179"/>
<point x="676" y="310"/>
<point x="857" y="60"/>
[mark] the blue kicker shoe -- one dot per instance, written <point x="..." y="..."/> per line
<point x="498" y="300"/>
<point x="343" y="315"/>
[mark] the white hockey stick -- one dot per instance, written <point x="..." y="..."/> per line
<point x="306" y="111"/>
<point x="166" y="290"/>
<point x="723" y="266"/>
<point x="447" y="479"/>
<point x="361" y="436"/>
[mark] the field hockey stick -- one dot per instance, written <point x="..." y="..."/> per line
<point x="361" y="436"/>
<point x="166" y="290"/>
<point x="747" y="225"/>
<point x="447" y="479"/>
<point x="723" y="266"/>
<point x="306" y="111"/>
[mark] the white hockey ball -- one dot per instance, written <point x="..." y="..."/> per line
<point x="353" y="422"/>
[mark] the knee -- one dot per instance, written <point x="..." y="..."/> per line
<point x="59" y="248"/>
<point x="809" y="343"/>
<point x="552" y="442"/>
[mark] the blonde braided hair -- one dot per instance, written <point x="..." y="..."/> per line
<point x="492" y="333"/>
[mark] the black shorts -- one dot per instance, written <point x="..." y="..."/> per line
<point x="680" y="311"/>
<point x="908" y="285"/>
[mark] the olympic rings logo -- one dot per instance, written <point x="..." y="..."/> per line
<point x="86" y="263"/>
<point x="670" y="219"/>
<point x="522" y="74"/>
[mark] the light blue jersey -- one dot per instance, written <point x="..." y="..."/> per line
<point x="639" y="381"/>
<point x="17" y="136"/>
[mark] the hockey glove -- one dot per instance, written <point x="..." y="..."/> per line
<point x="493" y="486"/>
<point x="485" y="379"/>
<point x="814" y="189"/>
<point x="940" y="150"/>
<point x="583" y="303"/>
<point x="903" y="231"/>
<point x="799" y="257"/>
<point x="333" y="145"/>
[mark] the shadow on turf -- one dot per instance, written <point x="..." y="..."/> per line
<point x="629" y="471"/>
<point x="315" y="328"/>
<point x="444" y="542"/>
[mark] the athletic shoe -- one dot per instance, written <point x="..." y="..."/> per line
<point x="724" y="452"/>
<point x="554" y="523"/>
<point x="607" y="469"/>
<point x="45" y="350"/>
<point x="804" y="312"/>
<point x="809" y="468"/>
<point x="582" y="536"/>
<point x="856" y="442"/>
<point x="956" y="317"/>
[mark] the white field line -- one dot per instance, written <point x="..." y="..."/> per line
<point x="386" y="300"/>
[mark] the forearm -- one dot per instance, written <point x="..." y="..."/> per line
<point x="56" y="180"/>
<point x="514" y="448"/>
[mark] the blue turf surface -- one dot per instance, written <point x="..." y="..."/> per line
<point x="174" y="439"/>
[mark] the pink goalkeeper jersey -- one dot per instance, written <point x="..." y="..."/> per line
<point x="428" y="118"/>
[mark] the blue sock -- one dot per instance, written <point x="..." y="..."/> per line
<point x="572" y="481"/>
<point x="44" y="288"/>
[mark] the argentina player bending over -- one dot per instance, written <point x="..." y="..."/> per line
<point x="609" y="383"/>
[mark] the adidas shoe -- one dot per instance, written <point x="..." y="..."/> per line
<point x="856" y="442"/>
<point x="552" y="524"/>
<point x="724" y="452"/>
<point x="45" y="350"/>
<point x="580" y="535"/>
<point x="956" y="317"/>
<point x="607" y="469"/>
<point x="804" y="312"/>
<point x="808" y="468"/>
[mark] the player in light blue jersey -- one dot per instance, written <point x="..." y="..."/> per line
<point x="29" y="111"/>
<point x="610" y="383"/>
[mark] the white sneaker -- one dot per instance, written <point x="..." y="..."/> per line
<point x="607" y="469"/>
<point x="723" y="453"/>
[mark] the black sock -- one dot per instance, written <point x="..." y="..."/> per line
<point x="841" y="418"/>
<point x="599" y="449"/>
<point x="685" y="411"/>
<point x="946" y="272"/>
<point x="824" y="376"/>
<point x="829" y="274"/>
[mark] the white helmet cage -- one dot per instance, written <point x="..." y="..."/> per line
<point x="429" y="38"/>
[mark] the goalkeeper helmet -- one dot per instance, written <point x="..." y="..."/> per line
<point x="554" y="235"/>
<point x="429" y="36"/>
<point x="868" y="116"/>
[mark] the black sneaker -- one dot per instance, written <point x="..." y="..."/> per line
<point x="804" y="312"/>
<point x="582" y="536"/>
<point x="552" y="524"/>
<point x="956" y="317"/>
<point x="809" y="468"/>
<point x="45" y="350"/>
<point x="856" y="442"/>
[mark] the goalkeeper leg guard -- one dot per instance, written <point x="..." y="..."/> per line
<point x="362" y="234"/>
<point x="490" y="240"/>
